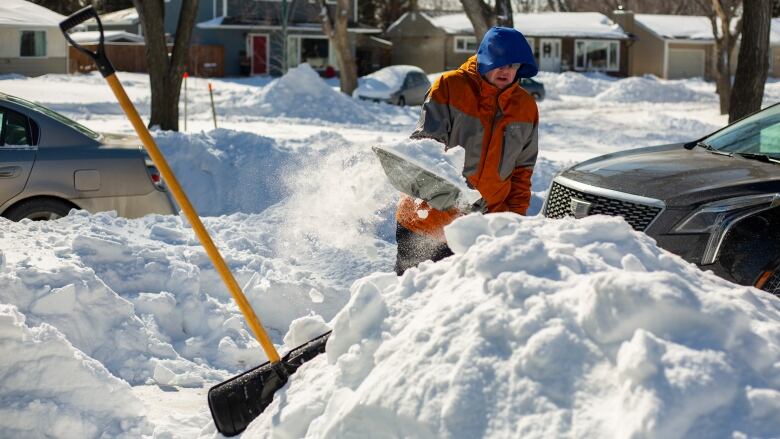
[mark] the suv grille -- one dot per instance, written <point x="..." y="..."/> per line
<point x="639" y="216"/>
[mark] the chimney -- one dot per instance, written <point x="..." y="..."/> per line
<point x="625" y="18"/>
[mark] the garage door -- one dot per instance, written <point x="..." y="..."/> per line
<point x="686" y="63"/>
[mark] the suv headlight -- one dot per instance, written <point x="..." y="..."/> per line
<point x="718" y="217"/>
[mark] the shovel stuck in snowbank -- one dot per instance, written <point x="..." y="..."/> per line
<point x="234" y="403"/>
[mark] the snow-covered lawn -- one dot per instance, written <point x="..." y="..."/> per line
<point x="535" y="328"/>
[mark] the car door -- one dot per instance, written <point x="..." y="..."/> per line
<point x="420" y="87"/>
<point x="17" y="153"/>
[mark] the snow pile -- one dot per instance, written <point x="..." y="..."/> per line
<point x="540" y="328"/>
<point x="574" y="84"/>
<point x="51" y="389"/>
<point x="226" y="171"/>
<point x="301" y="93"/>
<point x="142" y="297"/>
<point x="648" y="88"/>
<point x="122" y="293"/>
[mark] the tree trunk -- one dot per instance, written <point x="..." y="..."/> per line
<point x="753" y="60"/>
<point x="336" y="30"/>
<point x="721" y="15"/>
<point x="504" y="13"/>
<point x="480" y="15"/>
<point x="165" y="74"/>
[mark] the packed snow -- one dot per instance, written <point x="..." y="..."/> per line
<point x="111" y="327"/>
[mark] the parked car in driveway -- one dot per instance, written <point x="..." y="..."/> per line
<point x="398" y="85"/>
<point x="50" y="164"/>
<point x="714" y="201"/>
<point x="533" y="87"/>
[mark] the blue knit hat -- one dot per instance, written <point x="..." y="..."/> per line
<point x="502" y="46"/>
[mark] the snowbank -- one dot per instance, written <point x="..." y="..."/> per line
<point x="301" y="93"/>
<point x="650" y="89"/>
<point x="574" y="84"/>
<point x="225" y="171"/>
<point x="540" y="328"/>
<point x="51" y="389"/>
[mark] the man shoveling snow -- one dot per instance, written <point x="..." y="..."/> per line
<point x="481" y="108"/>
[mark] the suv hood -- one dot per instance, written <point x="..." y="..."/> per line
<point x="676" y="175"/>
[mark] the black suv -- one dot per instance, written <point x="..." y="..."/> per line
<point x="713" y="201"/>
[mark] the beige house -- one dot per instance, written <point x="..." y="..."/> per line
<point x="561" y="41"/>
<point x="680" y="46"/>
<point x="31" y="42"/>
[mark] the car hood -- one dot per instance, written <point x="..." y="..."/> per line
<point x="676" y="175"/>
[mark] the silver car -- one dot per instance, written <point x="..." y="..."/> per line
<point x="50" y="164"/>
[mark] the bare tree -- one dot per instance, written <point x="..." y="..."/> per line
<point x="753" y="60"/>
<point x="480" y="15"/>
<point x="504" y="13"/>
<point x="165" y="74"/>
<point x="726" y="27"/>
<point x="336" y="30"/>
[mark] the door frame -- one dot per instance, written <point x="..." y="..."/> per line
<point x="541" y="52"/>
<point x="251" y="50"/>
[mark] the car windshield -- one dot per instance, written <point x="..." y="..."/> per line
<point x="757" y="134"/>
<point x="56" y="116"/>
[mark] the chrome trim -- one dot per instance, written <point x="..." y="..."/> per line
<point x="610" y="193"/>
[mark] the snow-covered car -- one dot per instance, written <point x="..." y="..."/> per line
<point x="533" y="87"/>
<point x="714" y="201"/>
<point x="399" y="85"/>
<point x="50" y="164"/>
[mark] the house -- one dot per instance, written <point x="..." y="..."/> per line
<point x="31" y="42"/>
<point x="257" y="40"/>
<point x="680" y="46"/>
<point x="561" y="41"/>
<point x="669" y="46"/>
<point x="125" y="20"/>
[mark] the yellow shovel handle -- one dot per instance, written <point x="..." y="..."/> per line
<point x="194" y="220"/>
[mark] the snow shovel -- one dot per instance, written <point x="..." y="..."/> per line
<point x="234" y="403"/>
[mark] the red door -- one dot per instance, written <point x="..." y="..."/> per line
<point x="259" y="54"/>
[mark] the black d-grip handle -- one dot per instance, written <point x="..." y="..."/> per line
<point x="78" y="17"/>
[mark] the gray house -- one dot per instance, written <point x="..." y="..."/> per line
<point x="253" y="35"/>
<point x="31" y="42"/>
<point x="561" y="41"/>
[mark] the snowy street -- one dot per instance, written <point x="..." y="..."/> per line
<point x="535" y="328"/>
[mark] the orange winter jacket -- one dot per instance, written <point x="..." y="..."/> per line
<point x="498" y="130"/>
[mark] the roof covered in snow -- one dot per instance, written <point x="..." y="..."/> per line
<point x="570" y="24"/>
<point x="124" y="16"/>
<point x="109" y="35"/>
<point x="677" y="27"/>
<point x="24" y="13"/>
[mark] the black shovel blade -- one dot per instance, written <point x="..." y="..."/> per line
<point x="236" y="402"/>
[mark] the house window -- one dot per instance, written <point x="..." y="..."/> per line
<point x="597" y="55"/>
<point x="314" y="50"/>
<point x="33" y="43"/>
<point x="465" y="44"/>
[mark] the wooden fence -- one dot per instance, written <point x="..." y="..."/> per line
<point x="204" y="60"/>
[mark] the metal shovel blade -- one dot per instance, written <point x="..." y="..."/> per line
<point x="235" y="403"/>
